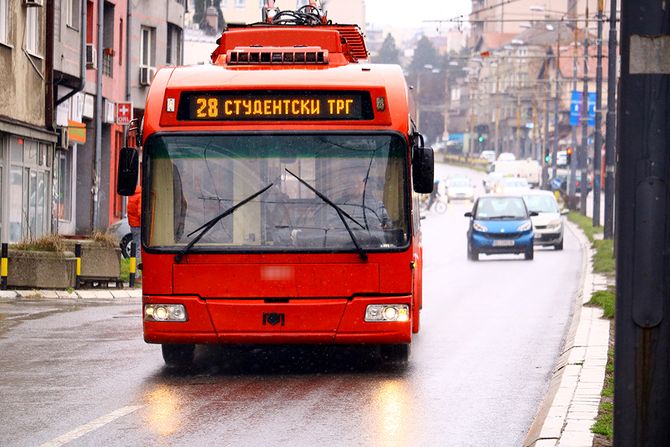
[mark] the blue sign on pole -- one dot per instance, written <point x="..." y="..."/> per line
<point x="592" y="108"/>
<point x="576" y="108"/>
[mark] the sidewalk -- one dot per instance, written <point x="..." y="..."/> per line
<point x="119" y="296"/>
<point x="571" y="404"/>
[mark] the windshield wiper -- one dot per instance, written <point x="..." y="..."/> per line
<point x="204" y="228"/>
<point x="340" y="212"/>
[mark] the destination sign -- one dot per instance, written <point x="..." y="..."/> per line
<point x="275" y="106"/>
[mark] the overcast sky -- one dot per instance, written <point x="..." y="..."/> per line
<point x="402" y="13"/>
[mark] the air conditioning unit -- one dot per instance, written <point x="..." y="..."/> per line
<point x="146" y="75"/>
<point x="33" y="2"/>
<point x="91" y="56"/>
<point x="63" y="141"/>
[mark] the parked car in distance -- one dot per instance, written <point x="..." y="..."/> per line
<point x="500" y="224"/>
<point x="528" y="169"/>
<point x="489" y="156"/>
<point x="560" y="181"/>
<point x="512" y="186"/>
<point x="459" y="188"/>
<point x="506" y="156"/>
<point x="121" y="230"/>
<point x="548" y="224"/>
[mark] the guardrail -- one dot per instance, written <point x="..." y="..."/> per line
<point x="475" y="163"/>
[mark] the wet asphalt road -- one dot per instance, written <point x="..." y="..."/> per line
<point x="491" y="332"/>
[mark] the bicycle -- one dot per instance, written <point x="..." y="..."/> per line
<point x="439" y="204"/>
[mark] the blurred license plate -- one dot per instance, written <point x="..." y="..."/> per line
<point x="503" y="243"/>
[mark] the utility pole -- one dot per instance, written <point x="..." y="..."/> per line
<point x="554" y="155"/>
<point x="610" y="125"/>
<point x="572" y="181"/>
<point x="497" y="101"/>
<point x="584" y="150"/>
<point x="642" y="350"/>
<point x="97" y="175"/>
<point x="545" y="139"/>
<point x="598" y="140"/>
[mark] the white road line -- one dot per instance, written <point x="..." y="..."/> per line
<point x="93" y="425"/>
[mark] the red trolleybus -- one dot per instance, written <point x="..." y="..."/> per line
<point x="277" y="195"/>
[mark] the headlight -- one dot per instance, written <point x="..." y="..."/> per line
<point x="554" y="224"/>
<point x="479" y="227"/>
<point x="165" y="312"/>
<point x="386" y="312"/>
<point x="524" y="226"/>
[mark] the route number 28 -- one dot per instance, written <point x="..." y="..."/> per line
<point x="207" y="107"/>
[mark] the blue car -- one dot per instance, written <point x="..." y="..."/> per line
<point x="500" y="224"/>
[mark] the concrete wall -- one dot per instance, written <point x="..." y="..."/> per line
<point x="23" y="88"/>
<point x="155" y="14"/>
<point x="67" y="41"/>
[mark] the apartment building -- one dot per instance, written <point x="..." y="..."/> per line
<point x="27" y="139"/>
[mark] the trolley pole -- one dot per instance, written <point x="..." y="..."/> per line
<point x="597" y="145"/>
<point x="642" y="350"/>
<point x="610" y="140"/>
<point x="584" y="150"/>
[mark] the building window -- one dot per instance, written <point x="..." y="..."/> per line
<point x="33" y="31"/>
<point x="63" y="185"/>
<point x="4" y="22"/>
<point x="29" y="189"/>
<point x="108" y="41"/>
<point x="147" y="47"/>
<point x="174" y="45"/>
<point x="73" y="13"/>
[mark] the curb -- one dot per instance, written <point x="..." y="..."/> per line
<point x="571" y="404"/>
<point x="119" y="296"/>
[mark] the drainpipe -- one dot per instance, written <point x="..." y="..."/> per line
<point x="82" y="58"/>
<point x="49" y="72"/>
<point x="98" y="119"/>
<point x="129" y="15"/>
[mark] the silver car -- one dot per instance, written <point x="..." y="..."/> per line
<point x="121" y="230"/>
<point x="548" y="224"/>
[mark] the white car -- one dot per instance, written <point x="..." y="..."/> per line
<point x="506" y="156"/>
<point x="459" y="188"/>
<point x="489" y="156"/>
<point x="548" y="224"/>
<point x="512" y="186"/>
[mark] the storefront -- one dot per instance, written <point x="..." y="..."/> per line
<point x="26" y="168"/>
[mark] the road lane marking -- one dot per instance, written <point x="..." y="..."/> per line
<point x="91" y="426"/>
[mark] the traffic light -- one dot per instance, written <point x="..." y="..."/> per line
<point x="547" y="158"/>
<point x="482" y="138"/>
<point x="568" y="155"/>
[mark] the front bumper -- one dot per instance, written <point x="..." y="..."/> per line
<point x="548" y="237"/>
<point x="491" y="244"/>
<point x="292" y="321"/>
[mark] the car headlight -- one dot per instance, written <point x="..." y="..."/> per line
<point x="165" y="312"/>
<point x="479" y="227"/>
<point x="386" y="312"/>
<point x="554" y="224"/>
<point x="524" y="226"/>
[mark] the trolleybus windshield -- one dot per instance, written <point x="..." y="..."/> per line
<point x="194" y="178"/>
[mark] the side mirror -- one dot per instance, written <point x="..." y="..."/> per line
<point x="565" y="212"/>
<point x="468" y="214"/>
<point x="423" y="169"/>
<point x="126" y="180"/>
